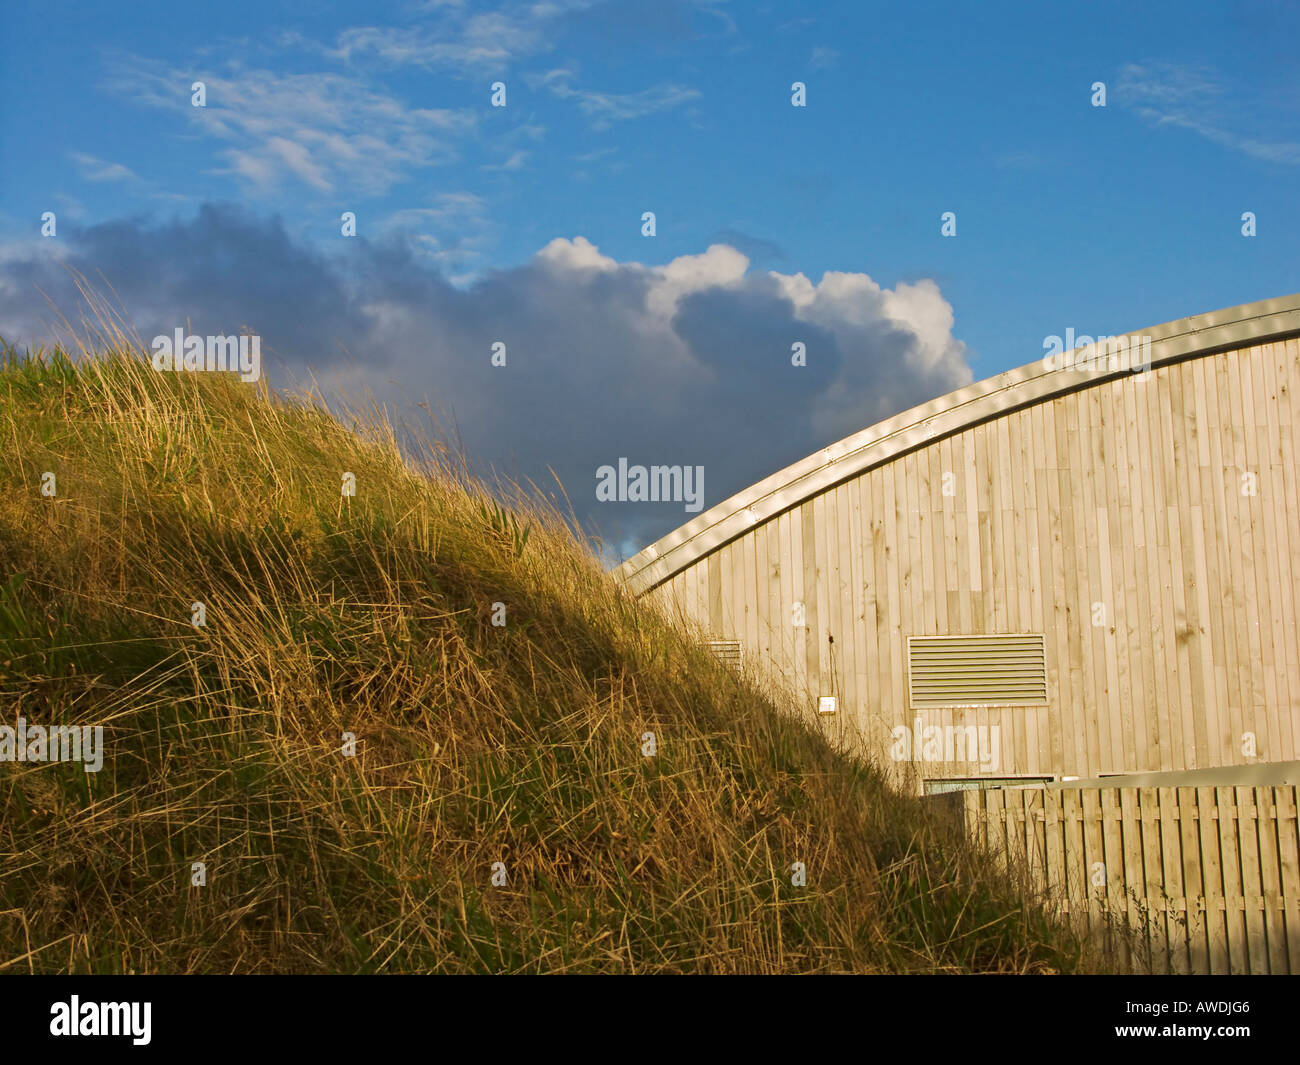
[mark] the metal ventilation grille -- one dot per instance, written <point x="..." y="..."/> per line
<point x="977" y="670"/>
<point x="726" y="651"/>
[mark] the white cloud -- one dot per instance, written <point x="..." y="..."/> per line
<point x="460" y="40"/>
<point x="327" y="131"/>
<point x="1203" y="102"/>
<point x="606" y="108"/>
<point x="574" y="255"/>
<point x="823" y="57"/>
<point x="96" y="169"/>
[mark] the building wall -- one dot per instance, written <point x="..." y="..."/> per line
<point x="1131" y="493"/>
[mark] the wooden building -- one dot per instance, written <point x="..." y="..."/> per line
<point x="1081" y="568"/>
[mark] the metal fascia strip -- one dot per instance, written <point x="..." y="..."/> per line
<point x="970" y="405"/>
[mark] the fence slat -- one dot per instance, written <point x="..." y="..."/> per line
<point x="1288" y="843"/>
<point x="1252" y="887"/>
<point x="1205" y="879"/>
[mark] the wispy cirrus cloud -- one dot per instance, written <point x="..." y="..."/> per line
<point x="1201" y="100"/>
<point x="323" y="130"/>
<point x="603" y="109"/>
<point x="92" y="168"/>
<point x="457" y="40"/>
<point x="823" y="57"/>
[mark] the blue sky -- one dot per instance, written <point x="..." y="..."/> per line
<point x="523" y="223"/>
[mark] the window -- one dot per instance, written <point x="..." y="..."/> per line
<point x="994" y="670"/>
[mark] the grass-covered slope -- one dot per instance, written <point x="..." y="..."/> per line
<point x="475" y="743"/>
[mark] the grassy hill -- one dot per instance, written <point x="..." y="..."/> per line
<point x="474" y="743"/>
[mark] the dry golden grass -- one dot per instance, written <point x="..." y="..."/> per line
<point x="475" y="744"/>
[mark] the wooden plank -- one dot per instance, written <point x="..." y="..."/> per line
<point x="982" y="600"/>
<point x="1258" y="577"/>
<point x="1153" y="892"/>
<point x="1161" y="650"/>
<point x="846" y="619"/>
<point x="1095" y="644"/>
<point x="782" y="622"/>
<point x="717" y="622"/>
<point x="893" y="621"/>
<point x="877" y="709"/>
<point x="1236" y="643"/>
<point x="1288" y="857"/>
<point x="891" y="670"/>
<point x="996" y="478"/>
<point x="1110" y="699"/>
<point x="972" y="571"/>
<point x="1171" y="558"/>
<point x="1075" y="759"/>
<point x="828" y="593"/>
<point x="1255" y="944"/>
<point x="1192" y="709"/>
<point x="1242" y="541"/>
<point x="771" y="632"/>
<point x="1035" y="834"/>
<point x="1091" y="852"/>
<point x="1138" y="624"/>
<point x="1280" y="547"/>
<point x="1230" y="873"/>
<point x="858" y="558"/>
<point x="1288" y="364"/>
<point x="1205" y="725"/>
<point x="1216" y="915"/>
<point x="945" y="539"/>
<point x="1110" y="574"/>
<point x="910" y="547"/>
<point x="996" y="824"/>
<point x="1115" y="857"/>
<point x="1182" y="920"/>
<point x="1051" y="609"/>
<point x="1263" y="561"/>
<point x="1132" y="664"/>
<point x="1019" y="523"/>
<point x="825" y="565"/>
<point x="1198" y="944"/>
<point x="1006" y="527"/>
<point x="812" y="643"/>
<point x="739" y="560"/>
<point x="1223" y="632"/>
<point x="754" y="549"/>
<point x="1270" y="877"/>
<point x="798" y="591"/>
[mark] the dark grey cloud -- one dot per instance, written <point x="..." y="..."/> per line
<point x="224" y="269"/>
<point x="682" y="364"/>
<point x="747" y="335"/>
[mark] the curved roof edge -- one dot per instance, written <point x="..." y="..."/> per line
<point x="1037" y="382"/>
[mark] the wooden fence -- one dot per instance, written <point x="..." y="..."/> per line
<point x="1204" y="879"/>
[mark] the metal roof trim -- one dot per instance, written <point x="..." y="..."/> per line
<point x="1176" y="341"/>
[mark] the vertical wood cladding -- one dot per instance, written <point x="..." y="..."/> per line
<point x="1147" y="526"/>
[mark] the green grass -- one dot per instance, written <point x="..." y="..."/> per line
<point x="475" y="744"/>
